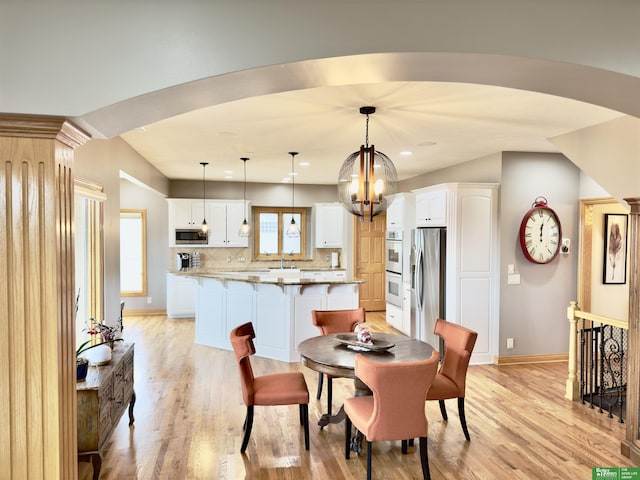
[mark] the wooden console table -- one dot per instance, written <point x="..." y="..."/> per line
<point x="102" y="399"/>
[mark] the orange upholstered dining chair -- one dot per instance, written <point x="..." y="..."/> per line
<point x="335" y="321"/>
<point x="396" y="410"/>
<point x="287" y="388"/>
<point x="450" y="382"/>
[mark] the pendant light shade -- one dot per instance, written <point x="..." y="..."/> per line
<point x="293" y="230"/>
<point x="204" y="228"/>
<point x="366" y="178"/>
<point x="245" y="227"/>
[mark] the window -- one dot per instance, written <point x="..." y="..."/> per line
<point x="133" y="253"/>
<point x="271" y="240"/>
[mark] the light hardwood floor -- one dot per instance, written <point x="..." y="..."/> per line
<point x="189" y="415"/>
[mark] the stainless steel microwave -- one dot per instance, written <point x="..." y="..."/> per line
<point x="191" y="236"/>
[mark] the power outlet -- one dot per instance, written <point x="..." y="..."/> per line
<point x="509" y="343"/>
<point x="148" y="299"/>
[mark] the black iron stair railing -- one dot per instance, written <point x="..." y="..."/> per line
<point x="603" y="367"/>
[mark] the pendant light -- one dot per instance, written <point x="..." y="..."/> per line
<point x="293" y="230"/>
<point x="364" y="184"/>
<point x="204" y="228"/>
<point x="245" y="228"/>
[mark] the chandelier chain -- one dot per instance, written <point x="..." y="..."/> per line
<point x="366" y="136"/>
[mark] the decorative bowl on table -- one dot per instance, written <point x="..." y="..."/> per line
<point x="350" y="340"/>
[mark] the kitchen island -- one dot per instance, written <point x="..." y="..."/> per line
<point x="277" y="302"/>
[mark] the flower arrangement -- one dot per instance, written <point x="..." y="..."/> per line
<point x="108" y="334"/>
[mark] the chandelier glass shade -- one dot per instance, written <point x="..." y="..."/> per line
<point x="245" y="227"/>
<point x="366" y="178"/>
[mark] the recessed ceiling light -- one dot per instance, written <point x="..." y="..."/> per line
<point x="406" y="153"/>
<point x="228" y="172"/>
<point x="228" y="177"/>
<point x="139" y="129"/>
<point x="304" y="164"/>
<point x="286" y="180"/>
<point x="293" y="174"/>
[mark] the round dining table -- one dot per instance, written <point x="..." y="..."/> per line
<point x="335" y="355"/>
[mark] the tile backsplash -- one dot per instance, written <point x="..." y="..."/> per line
<point x="240" y="259"/>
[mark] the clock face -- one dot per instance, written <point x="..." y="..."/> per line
<point x="540" y="235"/>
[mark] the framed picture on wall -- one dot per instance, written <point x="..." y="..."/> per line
<point x="615" y="248"/>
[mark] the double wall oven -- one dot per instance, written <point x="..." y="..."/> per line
<point x="393" y="267"/>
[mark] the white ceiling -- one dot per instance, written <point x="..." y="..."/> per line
<point x="440" y="123"/>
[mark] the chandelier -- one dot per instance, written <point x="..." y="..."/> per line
<point x="366" y="178"/>
<point x="204" y="228"/>
<point x="293" y="230"/>
<point x="245" y="228"/>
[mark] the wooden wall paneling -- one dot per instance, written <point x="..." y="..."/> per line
<point x="37" y="324"/>
<point x="631" y="444"/>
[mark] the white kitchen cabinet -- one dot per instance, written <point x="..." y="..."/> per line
<point x="394" y="316"/>
<point x="226" y="218"/>
<point x="181" y="296"/>
<point x="431" y="207"/>
<point x="401" y="211"/>
<point x="400" y="318"/>
<point x="329" y="225"/>
<point x="339" y="274"/>
<point x="318" y="275"/>
<point x="321" y="275"/>
<point x="186" y="213"/>
<point x="472" y="277"/>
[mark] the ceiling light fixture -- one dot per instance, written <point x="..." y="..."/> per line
<point x="204" y="228"/>
<point x="245" y="228"/>
<point x="293" y="230"/>
<point x="363" y="184"/>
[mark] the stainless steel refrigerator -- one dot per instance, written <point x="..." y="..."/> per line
<point x="428" y="256"/>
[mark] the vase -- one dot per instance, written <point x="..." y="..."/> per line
<point x="82" y="367"/>
<point x="99" y="355"/>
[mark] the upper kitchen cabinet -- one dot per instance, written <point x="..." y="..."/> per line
<point x="401" y="211"/>
<point x="186" y="213"/>
<point x="224" y="227"/>
<point x="329" y="225"/>
<point x="431" y="207"/>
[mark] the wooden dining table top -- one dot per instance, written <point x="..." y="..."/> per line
<point x="325" y="354"/>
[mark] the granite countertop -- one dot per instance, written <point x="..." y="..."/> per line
<point x="263" y="276"/>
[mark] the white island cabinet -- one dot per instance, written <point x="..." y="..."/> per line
<point x="181" y="296"/>
<point x="280" y="311"/>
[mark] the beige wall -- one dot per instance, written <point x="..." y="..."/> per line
<point x="609" y="300"/>
<point x="101" y="161"/>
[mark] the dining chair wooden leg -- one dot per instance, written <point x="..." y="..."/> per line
<point x="404" y="446"/>
<point x="463" y="418"/>
<point x="369" y="458"/>
<point x="443" y="410"/>
<point x="304" y="414"/>
<point x="320" y="382"/>
<point x="329" y="394"/>
<point x="411" y="442"/>
<point x="248" y="424"/>
<point x="347" y="437"/>
<point x="424" y="458"/>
